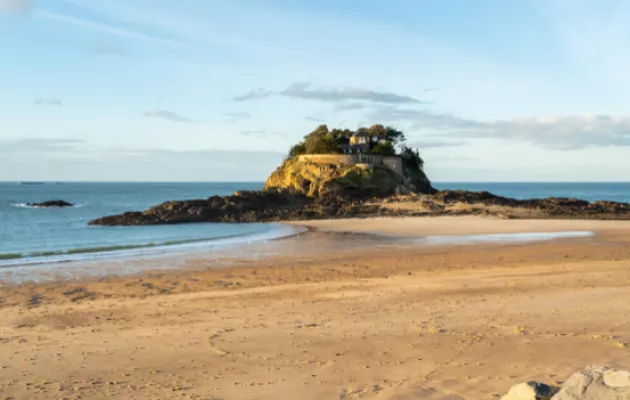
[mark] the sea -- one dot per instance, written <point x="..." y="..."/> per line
<point x="37" y="235"/>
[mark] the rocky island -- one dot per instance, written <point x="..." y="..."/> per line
<point x="356" y="174"/>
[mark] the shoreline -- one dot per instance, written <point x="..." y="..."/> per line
<point x="313" y="239"/>
<point x="278" y="231"/>
<point x="409" y="232"/>
<point x="346" y="315"/>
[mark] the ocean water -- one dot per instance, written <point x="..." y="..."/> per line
<point x="590" y="191"/>
<point x="34" y="235"/>
<point x="30" y="235"/>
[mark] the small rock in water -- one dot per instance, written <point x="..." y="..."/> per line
<point x="530" y="391"/>
<point x="51" y="203"/>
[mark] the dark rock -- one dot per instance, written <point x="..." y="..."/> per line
<point x="552" y="206"/>
<point x="250" y="206"/>
<point x="283" y="205"/>
<point x="51" y="203"/>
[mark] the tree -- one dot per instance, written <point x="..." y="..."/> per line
<point x="297" y="149"/>
<point x="395" y="136"/>
<point x="384" y="148"/>
<point x="413" y="164"/>
<point x="377" y="133"/>
<point x="321" y="141"/>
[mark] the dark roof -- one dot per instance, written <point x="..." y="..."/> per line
<point x="360" y="134"/>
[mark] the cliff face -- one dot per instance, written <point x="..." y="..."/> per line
<point x="321" y="180"/>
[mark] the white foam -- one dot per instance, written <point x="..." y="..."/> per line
<point x="279" y="231"/>
<point x="504" y="237"/>
<point x="25" y="205"/>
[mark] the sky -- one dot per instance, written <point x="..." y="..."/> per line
<point x="210" y="90"/>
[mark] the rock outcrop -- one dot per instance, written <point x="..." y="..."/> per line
<point x="292" y="205"/>
<point x="246" y="206"/>
<point x="551" y="206"/>
<point x="51" y="203"/>
<point x="593" y="383"/>
<point x="596" y="383"/>
<point x="354" y="181"/>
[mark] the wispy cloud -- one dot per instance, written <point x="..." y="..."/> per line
<point x="74" y="159"/>
<point x="594" y="35"/>
<point x="165" y="114"/>
<point x="352" y="106"/>
<point x="39" y="145"/>
<point x="254" y="132"/>
<point x="304" y="91"/>
<point x="313" y="119"/>
<point x="104" y="28"/>
<point x="237" y="115"/>
<point x="436" y="143"/>
<point x="48" y="102"/>
<point x="108" y="49"/>
<point x="15" y="6"/>
<point x="255" y="94"/>
<point x="569" y="132"/>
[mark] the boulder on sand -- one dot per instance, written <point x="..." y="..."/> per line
<point x="530" y="391"/>
<point x="593" y="383"/>
<point x="596" y="383"/>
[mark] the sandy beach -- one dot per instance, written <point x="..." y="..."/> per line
<point x="384" y="321"/>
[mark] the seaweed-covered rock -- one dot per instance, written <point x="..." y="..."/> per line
<point x="51" y="203"/>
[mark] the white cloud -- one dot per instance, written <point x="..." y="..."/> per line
<point x="305" y="91"/>
<point x="568" y="132"/>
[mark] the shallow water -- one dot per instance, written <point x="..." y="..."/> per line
<point x="28" y="233"/>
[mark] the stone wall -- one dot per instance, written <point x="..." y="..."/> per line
<point x="336" y="159"/>
<point x="394" y="163"/>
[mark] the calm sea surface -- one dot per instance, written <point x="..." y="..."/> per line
<point x="38" y="234"/>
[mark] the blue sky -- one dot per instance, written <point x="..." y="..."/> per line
<point x="488" y="90"/>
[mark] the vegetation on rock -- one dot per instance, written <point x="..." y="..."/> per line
<point x="322" y="180"/>
<point x="383" y="140"/>
<point x="319" y="180"/>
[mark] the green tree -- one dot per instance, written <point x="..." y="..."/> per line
<point x="384" y="148"/>
<point x="395" y="136"/>
<point x="321" y="141"/>
<point x="297" y="149"/>
<point x="412" y="163"/>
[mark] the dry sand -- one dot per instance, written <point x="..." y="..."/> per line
<point x="448" y="323"/>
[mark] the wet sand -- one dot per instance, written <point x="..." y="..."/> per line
<point x="464" y="225"/>
<point x="371" y="321"/>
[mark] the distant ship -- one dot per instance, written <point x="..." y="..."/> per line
<point x="32" y="183"/>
